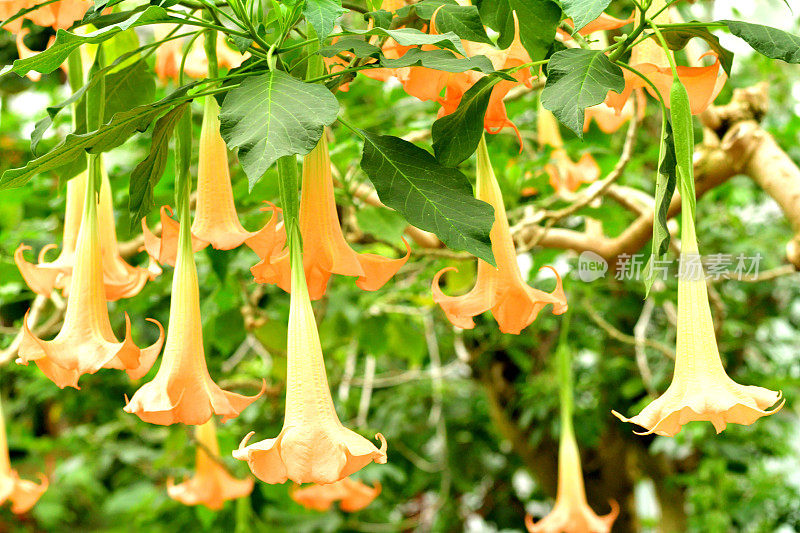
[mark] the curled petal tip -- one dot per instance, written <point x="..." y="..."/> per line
<point x="244" y="442"/>
<point x="44" y="251"/>
<point x="381" y="438"/>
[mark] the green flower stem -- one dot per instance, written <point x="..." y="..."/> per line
<point x="564" y="361"/>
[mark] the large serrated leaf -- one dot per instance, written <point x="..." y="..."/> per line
<point x="323" y="14"/>
<point x="147" y="174"/>
<point x="582" y="12"/>
<point x="429" y="195"/>
<point x="577" y="79"/>
<point x="456" y="136"/>
<point x="768" y="41"/>
<point x="274" y="115"/>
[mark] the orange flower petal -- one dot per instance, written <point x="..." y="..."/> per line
<point x="502" y="290"/>
<point x="352" y="495"/>
<point x="326" y="251"/>
<point x="211" y="485"/>
<point x="182" y="390"/>
<point x="313" y="446"/>
<point x="700" y="388"/>
<point x="86" y="342"/>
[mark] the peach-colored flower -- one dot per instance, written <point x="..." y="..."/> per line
<point x="502" y="290"/>
<point x="120" y="279"/>
<point x="182" y="390"/>
<point x="22" y="493"/>
<point x="427" y="84"/>
<point x="86" y="342"/>
<point x="313" y="445"/>
<point x="211" y="485"/>
<point x="326" y="251"/>
<point x="352" y="495"/>
<point x="216" y="221"/>
<point x="702" y="83"/>
<point x="700" y="389"/>
<point x="571" y="512"/>
<point x="564" y="173"/>
<point x="170" y="54"/>
<point x="59" y="15"/>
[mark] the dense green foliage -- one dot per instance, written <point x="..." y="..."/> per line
<point x="471" y="417"/>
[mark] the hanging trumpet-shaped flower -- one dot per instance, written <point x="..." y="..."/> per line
<point x="571" y="512"/>
<point x="564" y="173"/>
<point x="22" y="493"/>
<point x="216" y="221"/>
<point x="211" y="485"/>
<point x="325" y="250"/>
<point x="313" y="446"/>
<point x="352" y="495"/>
<point x="702" y="83"/>
<point x="86" y="342"/>
<point x="183" y="390"/>
<point x="502" y="290"/>
<point x="700" y="389"/>
<point x="120" y="279"/>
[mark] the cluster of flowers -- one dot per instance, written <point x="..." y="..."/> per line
<point x="313" y="445"/>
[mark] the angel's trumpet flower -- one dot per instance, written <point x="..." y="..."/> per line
<point x="609" y="119"/>
<point x="325" y="249"/>
<point x="22" y="493"/>
<point x="86" y="342"/>
<point x="502" y="290"/>
<point x="564" y="173"/>
<point x="120" y="279"/>
<point x="648" y="57"/>
<point x="571" y="512"/>
<point x="216" y="221"/>
<point x="211" y="485"/>
<point x="700" y="389"/>
<point x="182" y="390"/>
<point x="352" y="495"/>
<point x="313" y="446"/>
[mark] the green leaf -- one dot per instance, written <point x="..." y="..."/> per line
<point x="456" y="136"/>
<point x="677" y="39"/>
<point x="52" y="58"/>
<point x="538" y="21"/>
<point x="582" y="12"/>
<point x="274" y="115"/>
<point x="666" y="181"/>
<point x="430" y="196"/>
<point x="384" y="224"/>
<point x="414" y="37"/>
<point x="577" y="79"/>
<point x="464" y="21"/>
<point x="380" y="18"/>
<point x="110" y="135"/>
<point x="439" y="60"/>
<point x="359" y="47"/>
<point x="147" y="174"/>
<point x="768" y="41"/>
<point x="323" y="14"/>
<point x="424" y="9"/>
<point x="129" y="88"/>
